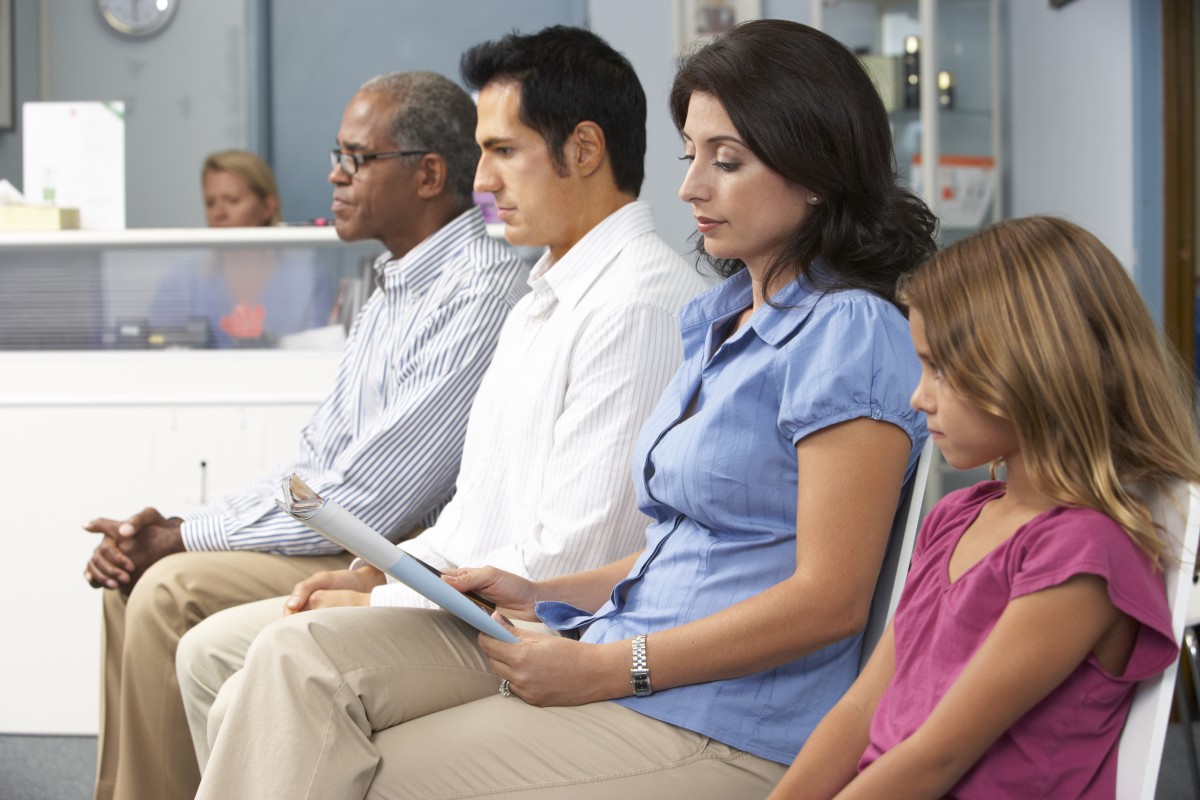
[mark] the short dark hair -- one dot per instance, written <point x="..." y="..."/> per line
<point x="431" y="112"/>
<point x="569" y="75"/>
<point x="806" y="106"/>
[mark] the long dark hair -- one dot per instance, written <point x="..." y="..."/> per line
<point x="807" y="108"/>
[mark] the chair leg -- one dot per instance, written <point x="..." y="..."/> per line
<point x="1185" y="712"/>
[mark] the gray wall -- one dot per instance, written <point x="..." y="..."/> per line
<point x="1070" y="116"/>
<point x="25" y="76"/>
<point x="184" y="92"/>
<point x="322" y="52"/>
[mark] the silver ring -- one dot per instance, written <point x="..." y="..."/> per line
<point x="504" y="690"/>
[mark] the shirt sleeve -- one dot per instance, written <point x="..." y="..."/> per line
<point x="854" y="358"/>
<point x="1067" y="542"/>
<point x="395" y="474"/>
<point x="587" y="511"/>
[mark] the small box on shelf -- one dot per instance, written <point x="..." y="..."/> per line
<point x="19" y="217"/>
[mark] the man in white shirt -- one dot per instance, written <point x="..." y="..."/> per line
<point x="544" y="488"/>
<point x="386" y="442"/>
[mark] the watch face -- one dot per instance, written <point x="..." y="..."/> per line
<point x="138" y="17"/>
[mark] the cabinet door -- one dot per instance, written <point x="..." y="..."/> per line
<point x="81" y="439"/>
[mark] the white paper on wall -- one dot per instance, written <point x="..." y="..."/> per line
<point x="74" y="157"/>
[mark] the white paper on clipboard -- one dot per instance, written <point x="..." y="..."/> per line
<point x="339" y="526"/>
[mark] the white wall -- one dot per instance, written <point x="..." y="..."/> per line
<point x="1070" y="116"/>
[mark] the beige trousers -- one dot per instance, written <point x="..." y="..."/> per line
<point x="209" y="656"/>
<point x="209" y="660"/>
<point x="145" y="748"/>
<point x="400" y="703"/>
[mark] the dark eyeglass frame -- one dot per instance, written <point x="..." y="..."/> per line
<point x="350" y="163"/>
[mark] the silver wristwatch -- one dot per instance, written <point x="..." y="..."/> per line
<point x="639" y="676"/>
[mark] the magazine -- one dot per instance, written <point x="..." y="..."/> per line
<point x="339" y="526"/>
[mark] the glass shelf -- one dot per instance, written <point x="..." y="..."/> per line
<point x="965" y="144"/>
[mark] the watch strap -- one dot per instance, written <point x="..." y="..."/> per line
<point x="639" y="674"/>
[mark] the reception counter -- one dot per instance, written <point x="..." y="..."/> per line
<point x="108" y="406"/>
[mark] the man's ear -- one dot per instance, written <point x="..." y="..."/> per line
<point x="587" y="148"/>
<point x="431" y="176"/>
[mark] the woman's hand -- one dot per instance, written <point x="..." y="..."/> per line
<point x="545" y="670"/>
<point x="516" y="595"/>
<point x="343" y="587"/>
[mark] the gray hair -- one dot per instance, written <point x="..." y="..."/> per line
<point x="433" y="113"/>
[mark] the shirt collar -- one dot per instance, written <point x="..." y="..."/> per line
<point x="792" y="306"/>
<point x="420" y="267"/>
<point x="579" y="268"/>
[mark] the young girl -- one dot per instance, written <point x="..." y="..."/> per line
<point x="1034" y="604"/>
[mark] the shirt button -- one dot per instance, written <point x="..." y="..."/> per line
<point x="876" y="413"/>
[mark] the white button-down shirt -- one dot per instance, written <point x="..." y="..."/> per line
<point x="545" y="487"/>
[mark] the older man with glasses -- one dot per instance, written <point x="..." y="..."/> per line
<point x="385" y="443"/>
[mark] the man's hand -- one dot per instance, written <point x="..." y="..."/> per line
<point x="343" y="587"/>
<point x="130" y="547"/>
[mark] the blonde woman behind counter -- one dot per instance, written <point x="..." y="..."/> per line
<point x="242" y="297"/>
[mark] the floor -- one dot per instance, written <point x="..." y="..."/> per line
<point x="63" y="767"/>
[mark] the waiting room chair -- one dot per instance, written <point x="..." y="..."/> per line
<point x="898" y="556"/>
<point x="1139" y="753"/>
<point x="1182" y="701"/>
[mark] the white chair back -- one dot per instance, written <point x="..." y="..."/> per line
<point x="1140" y="750"/>
<point x="898" y="556"/>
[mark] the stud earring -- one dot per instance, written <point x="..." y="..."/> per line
<point x="813" y="200"/>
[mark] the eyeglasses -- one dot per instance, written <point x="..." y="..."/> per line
<point x="350" y="162"/>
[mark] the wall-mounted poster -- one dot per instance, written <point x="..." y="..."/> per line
<point x="697" y="21"/>
<point x="7" y="67"/>
<point x="74" y="157"/>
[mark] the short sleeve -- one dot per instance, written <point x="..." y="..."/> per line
<point x="1067" y="542"/>
<point x="951" y="515"/>
<point x="852" y="358"/>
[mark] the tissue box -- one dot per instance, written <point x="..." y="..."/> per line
<point x="38" y="218"/>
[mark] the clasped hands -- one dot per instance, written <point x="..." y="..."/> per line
<point x="129" y="547"/>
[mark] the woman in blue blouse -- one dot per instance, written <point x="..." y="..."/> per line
<point x="242" y="297"/>
<point x="771" y="470"/>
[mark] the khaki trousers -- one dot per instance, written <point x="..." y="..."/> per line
<point x="400" y="703"/>
<point x="209" y="656"/>
<point x="145" y="749"/>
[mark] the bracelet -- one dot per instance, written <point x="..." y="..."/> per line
<point x="639" y="675"/>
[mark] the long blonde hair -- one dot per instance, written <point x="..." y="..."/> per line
<point x="1035" y="321"/>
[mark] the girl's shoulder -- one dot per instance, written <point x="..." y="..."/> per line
<point x="1068" y="541"/>
<point x="1077" y="535"/>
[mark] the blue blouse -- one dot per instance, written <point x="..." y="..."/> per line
<point x="721" y="489"/>
<point x="297" y="297"/>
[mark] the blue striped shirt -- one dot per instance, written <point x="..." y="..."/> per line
<point x="387" y="441"/>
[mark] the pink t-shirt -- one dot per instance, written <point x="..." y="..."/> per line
<point x="1066" y="745"/>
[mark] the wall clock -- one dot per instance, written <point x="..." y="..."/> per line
<point x="138" y="18"/>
